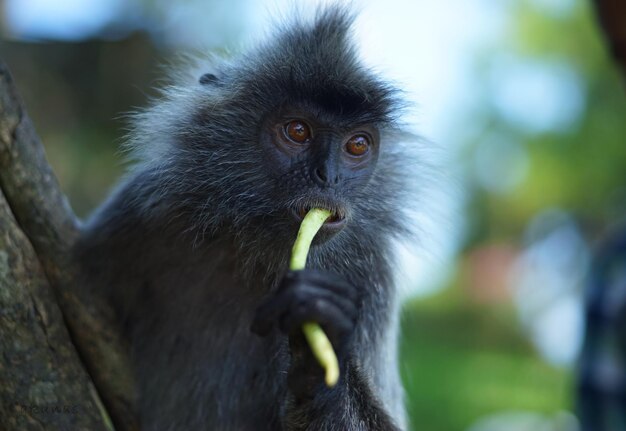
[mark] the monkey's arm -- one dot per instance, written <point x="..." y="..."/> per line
<point x="351" y="405"/>
<point x="354" y="403"/>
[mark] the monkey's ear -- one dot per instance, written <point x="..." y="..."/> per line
<point x="209" y="79"/>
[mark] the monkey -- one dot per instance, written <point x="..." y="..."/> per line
<point x="191" y="248"/>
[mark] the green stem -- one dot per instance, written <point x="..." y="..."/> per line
<point x="318" y="341"/>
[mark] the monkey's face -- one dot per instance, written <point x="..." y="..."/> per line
<point x="294" y="125"/>
<point x="319" y="161"/>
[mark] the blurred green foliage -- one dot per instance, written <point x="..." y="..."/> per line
<point x="581" y="169"/>
<point x="462" y="360"/>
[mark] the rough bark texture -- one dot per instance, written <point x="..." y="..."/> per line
<point x="612" y="17"/>
<point x="43" y="382"/>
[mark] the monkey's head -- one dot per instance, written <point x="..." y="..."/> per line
<point x="297" y="123"/>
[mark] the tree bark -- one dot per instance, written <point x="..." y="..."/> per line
<point x="46" y="371"/>
<point x="612" y="17"/>
<point x="43" y="383"/>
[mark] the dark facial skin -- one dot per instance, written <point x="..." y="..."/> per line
<point x="317" y="161"/>
<point x="323" y="164"/>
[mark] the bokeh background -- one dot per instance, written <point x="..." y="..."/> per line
<point x="521" y="110"/>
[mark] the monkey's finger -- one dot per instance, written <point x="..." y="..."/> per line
<point x="268" y="313"/>
<point x="261" y="326"/>
<point x="307" y="293"/>
<point x="297" y="289"/>
<point x="325" y="279"/>
<point x="332" y="319"/>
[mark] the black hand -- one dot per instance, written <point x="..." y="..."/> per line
<point x="310" y="296"/>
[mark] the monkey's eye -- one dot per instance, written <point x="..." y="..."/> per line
<point x="297" y="131"/>
<point x="358" y="145"/>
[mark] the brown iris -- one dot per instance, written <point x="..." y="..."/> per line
<point x="298" y="131"/>
<point x="358" y="145"/>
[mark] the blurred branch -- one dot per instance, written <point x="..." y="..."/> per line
<point x="612" y="16"/>
<point x="39" y="229"/>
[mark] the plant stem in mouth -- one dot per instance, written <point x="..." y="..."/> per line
<point x="318" y="341"/>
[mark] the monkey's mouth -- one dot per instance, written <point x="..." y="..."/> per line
<point x="336" y="221"/>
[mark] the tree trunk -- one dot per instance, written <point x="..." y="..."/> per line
<point x="612" y="17"/>
<point x="60" y="355"/>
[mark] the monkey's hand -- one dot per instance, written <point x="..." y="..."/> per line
<point x="310" y="295"/>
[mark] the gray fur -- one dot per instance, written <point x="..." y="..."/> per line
<point x="195" y="237"/>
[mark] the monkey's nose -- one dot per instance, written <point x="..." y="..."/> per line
<point x="320" y="176"/>
<point x="323" y="177"/>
